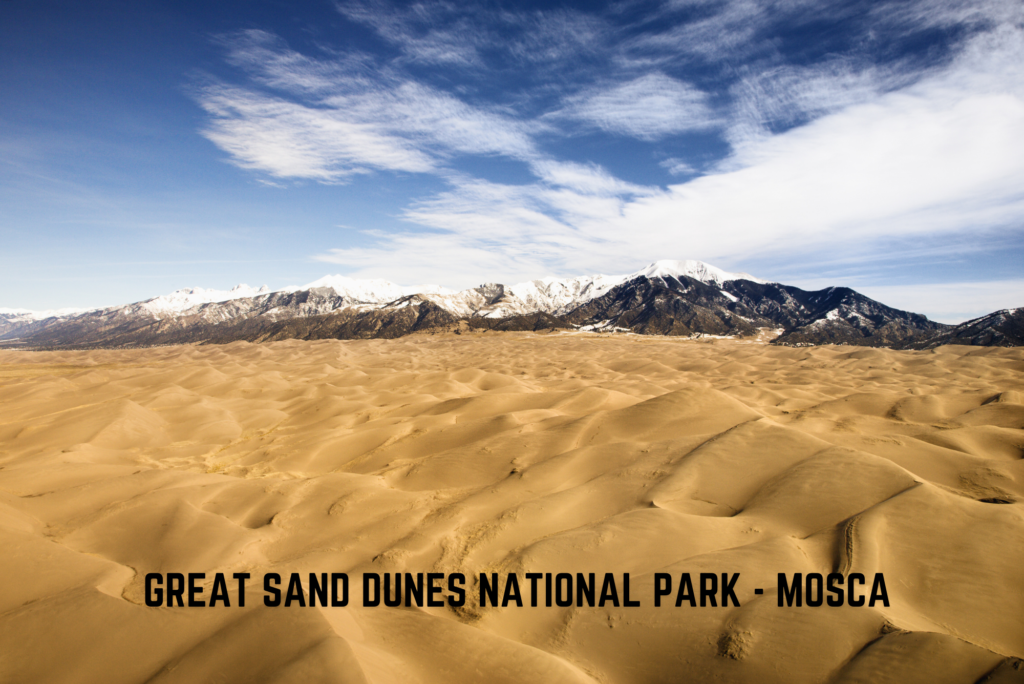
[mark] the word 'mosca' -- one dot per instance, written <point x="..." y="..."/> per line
<point x="563" y="589"/>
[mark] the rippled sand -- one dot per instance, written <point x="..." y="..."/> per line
<point x="512" y="453"/>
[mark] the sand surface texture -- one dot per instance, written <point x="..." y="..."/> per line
<point x="512" y="453"/>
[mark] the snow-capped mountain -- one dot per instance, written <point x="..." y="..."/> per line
<point x="548" y="295"/>
<point x="559" y="296"/>
<point x="698" y="270"/>
<point x="682" y="298"/>
<point x="21" y="315"/>
<point x="188" y="298"/>
<point x="370" y="291"/>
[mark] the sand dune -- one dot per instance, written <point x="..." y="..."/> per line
<point x="512" y="453"/>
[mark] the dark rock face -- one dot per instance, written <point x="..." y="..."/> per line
<point x="529" y="323"/>
<point x="491" y="292"/>
<point x="784" y="306"/>
<point x="668" y="306"/>
<point x="999" y="329"/>
<point x="402" y="317"/>
<point x="838" y="315"/>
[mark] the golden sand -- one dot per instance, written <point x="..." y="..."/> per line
<point x="512" y="453"/>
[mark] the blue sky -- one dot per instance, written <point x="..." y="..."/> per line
<point x="148" y="146"/>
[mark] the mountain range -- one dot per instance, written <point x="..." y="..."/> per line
<point x="678" y="298"/>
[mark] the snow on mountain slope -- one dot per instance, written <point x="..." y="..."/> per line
<point x="559" y="295"/>
<point x="375" y="291"/>
<point x="14" y="322"/>
<point x="25" y="315"/>
<point x="187" y="298"/>
<point x="698" y="270"/>
<point x="173" y="303"/>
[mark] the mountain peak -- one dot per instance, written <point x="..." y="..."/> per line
<point x="698" y="270"/>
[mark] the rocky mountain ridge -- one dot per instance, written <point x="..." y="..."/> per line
<point x="678" y="298"/>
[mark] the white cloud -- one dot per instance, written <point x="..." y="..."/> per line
<point x="433" y="33"/>
<point x="913" y="162"/>
<point x="290" y="140"/>
<point x="677" y="167"/>
<point x="496" y="232"/>
<point x="724" y="30"/>
<point x="338" y="123"/>
<point x="556" y="36"/>
<point x="589" y="179"/>
<point x="942" y="155"/>
<point x="444" y="122"/>
<point x="649" y="107"/>
<point x="267" y="59"/>
<point x="923" y="14"/>
<point x="786" y="95"/>
<point x="468" y="35"/>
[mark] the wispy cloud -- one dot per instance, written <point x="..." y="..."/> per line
<point x="519" y="231"/>
<point x="587" y="179"/>
<point x="435" y="33"/>
<point x="923" y="14"/>
<point x="267" y="60"/>
<point x="332" y="123"/>
<point x="710" y="30"/>
<point x="777" y="98"/>
<point x="649" y="107"/>
<point x="290" y="140"/>
<point x="474" y="35"/>
<point x="678" y="167"/>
